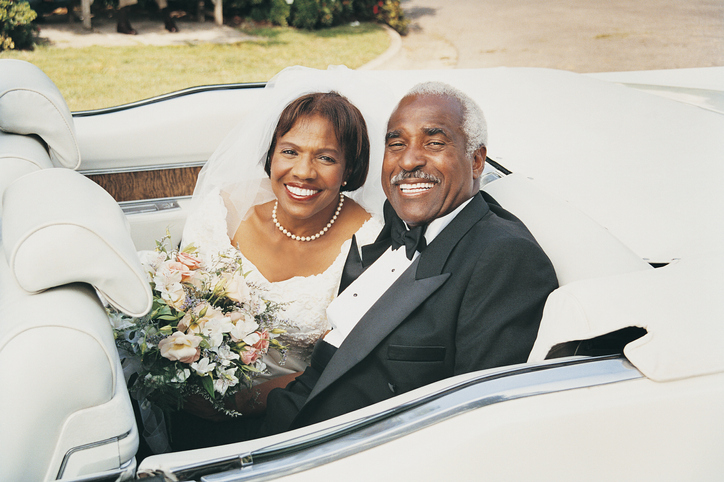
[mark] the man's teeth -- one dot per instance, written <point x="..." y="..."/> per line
<point x="417" y="187"/>
<point x="301" y="192"/>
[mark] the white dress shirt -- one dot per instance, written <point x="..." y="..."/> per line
<point x="345" y="311"/>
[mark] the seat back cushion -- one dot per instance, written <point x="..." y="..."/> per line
<point x="20" y="155"/>
<point x="63" y="388"/>
<point x="59" y="227"/>
<point x="30" y="103"/>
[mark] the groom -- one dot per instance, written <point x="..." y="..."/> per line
<point x="462" y="290"/>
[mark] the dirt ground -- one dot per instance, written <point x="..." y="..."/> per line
<point x="576" y="35"/>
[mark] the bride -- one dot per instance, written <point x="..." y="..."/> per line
<point x="286" y="191"/>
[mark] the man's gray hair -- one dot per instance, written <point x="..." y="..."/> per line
<point x="474" y="126"/>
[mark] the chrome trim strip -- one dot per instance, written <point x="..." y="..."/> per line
<point x="145" y="206"/>
<point x="171" y="95"/>
<point x="91" y="445"/>
<point x="334" y="443"/>
<point x="153" y="167"/>
<point x="109" y="475"/>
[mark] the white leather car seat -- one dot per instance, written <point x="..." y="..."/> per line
<point x="36" y="126"/>
<point x="66" y="410"/>
<point x="578" y="247"/>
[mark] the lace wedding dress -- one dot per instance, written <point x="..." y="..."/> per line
<point x="305" y="297"/>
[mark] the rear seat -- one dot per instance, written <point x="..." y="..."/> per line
<point x="580" y="250"/>
<point x="578" y="247"/>
<point x="67" y="412"/>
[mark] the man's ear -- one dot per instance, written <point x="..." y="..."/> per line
<point x="479" y="161"/>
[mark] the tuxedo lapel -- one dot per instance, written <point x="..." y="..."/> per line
<point x="415" y="285"/>
<point x="396" y="304"/>
<point x="352" y="266"/>
<point x="434" y="257"/>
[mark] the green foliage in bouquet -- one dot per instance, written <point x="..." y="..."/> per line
<point x="206" y="333"/>
<point x="16" y="28"/>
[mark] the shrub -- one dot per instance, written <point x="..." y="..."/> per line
<point x="16" y="29"/>
<point x="279" y="12"/>
<point x="390" y="12"/>
<point x="312" y="14"/>
<point x="305" y="14"/>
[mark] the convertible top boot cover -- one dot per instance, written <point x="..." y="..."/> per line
<point x="58" y="218"/>
<point x="30" y="103"/>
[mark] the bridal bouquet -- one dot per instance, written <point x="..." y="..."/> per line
<point x="205" y="334"/>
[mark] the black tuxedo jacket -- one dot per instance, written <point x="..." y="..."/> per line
<point x="472" y="300"/>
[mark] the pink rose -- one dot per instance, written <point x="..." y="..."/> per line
<point x="181" y="268"/>
<point x="192" y="262"/>
<point x="263" y="344"/>
<point x="181" y="347"/>
<point x="249" y="355"/>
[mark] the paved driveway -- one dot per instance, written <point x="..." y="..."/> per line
<point x="577" y="35"/>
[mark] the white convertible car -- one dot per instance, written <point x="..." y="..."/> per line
<point x="619" y="177"/>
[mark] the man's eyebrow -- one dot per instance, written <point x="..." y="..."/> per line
<point x="392" y="135"/>
<point x="431" y="131"/>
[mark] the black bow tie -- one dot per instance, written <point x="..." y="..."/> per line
<point x="413" y="239"/>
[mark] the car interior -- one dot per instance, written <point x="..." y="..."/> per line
<point x="68" y="248"/>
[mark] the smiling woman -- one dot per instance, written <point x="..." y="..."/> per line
<point x="294" y="237"/>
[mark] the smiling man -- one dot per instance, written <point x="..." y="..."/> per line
<point x="466" y="293"/>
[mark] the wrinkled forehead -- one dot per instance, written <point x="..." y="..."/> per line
<point x="425" y="111"/>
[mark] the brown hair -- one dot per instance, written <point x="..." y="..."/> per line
<point x="349" y="128"/>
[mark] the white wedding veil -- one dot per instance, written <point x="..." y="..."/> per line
<point x="236" y="169"/>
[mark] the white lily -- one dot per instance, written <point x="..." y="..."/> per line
<point x="243" y="328"/>
<point x="226" y="379"/>
<point x="203" y="367"/>
<point x="215" y="328"/>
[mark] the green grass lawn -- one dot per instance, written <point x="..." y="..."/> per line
<point x="95" y="77"/>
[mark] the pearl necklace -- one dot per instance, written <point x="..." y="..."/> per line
<point x="307" y="238"/>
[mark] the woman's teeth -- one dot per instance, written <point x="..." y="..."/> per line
<point x="301" y="192"/>
<point x="416" y="187"/>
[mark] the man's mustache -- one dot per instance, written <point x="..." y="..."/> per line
<point x="416" y="174"/>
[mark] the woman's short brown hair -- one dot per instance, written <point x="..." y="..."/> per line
<point x="349" y="128"/>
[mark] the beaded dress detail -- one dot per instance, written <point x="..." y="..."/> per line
<point x="306" y="297"/>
